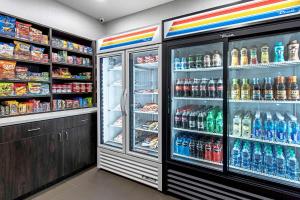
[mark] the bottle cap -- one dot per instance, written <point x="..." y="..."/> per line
<point x="278" y="43"/>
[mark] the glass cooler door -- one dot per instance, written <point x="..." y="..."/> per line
<point x="197" y="105"/>
<point x="112" y="92"/>
<point x="144" y="102"/>
<point x="263" y="108"/>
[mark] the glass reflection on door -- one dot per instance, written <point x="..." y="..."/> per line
<point x="112" y="98"/>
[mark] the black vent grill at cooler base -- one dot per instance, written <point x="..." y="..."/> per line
<point x="194" y="188"/>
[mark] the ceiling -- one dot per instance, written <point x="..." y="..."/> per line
<point x="111" y="9"/>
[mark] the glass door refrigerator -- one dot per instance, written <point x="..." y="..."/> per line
<point x="129" y="109"/>
<point x="231" y="109"/>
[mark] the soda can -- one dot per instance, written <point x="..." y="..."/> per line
<point x="217" y="59"/>
<point x="207" y="60"/>
<point x="244" y="56"/>
<point x="199" y="61"/>
<point x="184" y="63"/>
<point x="235" y="57"/>
<point x="265" y="58"/>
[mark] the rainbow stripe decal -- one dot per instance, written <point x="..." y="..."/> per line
<point x="249" y="12"/>
<point x="129" y="39"/>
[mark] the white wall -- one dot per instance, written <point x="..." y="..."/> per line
<point x="156" y="14"/>
<point x="54" y="14"/>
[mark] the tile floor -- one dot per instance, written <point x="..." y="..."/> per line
<point x="94" y="184"/>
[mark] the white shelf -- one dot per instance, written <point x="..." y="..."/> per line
<point x="197" y="159"/>
<point x="199" y="132"/>
<point x="264" y="101"/>
<point x="269" y="65"/>
<point x="198" y="99"/>
<point x="150" y="93"/>
<point x="147" y="65"/>
<point x="145" y="149"/>
<point x="114" y="144"/>
<point x="145" y="130"/>
<point x="149" y="113"/>
<point x="199" y="69"/>
<point x="115" y="126"/>
<point x="261" y="174"/>
<point x="266" y="141"/>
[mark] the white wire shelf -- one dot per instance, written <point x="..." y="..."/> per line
<point x="265" y="101"/>
<point x="199" y="69"/>
<point x="269" y="65"/>
<point x="199" y="132"/>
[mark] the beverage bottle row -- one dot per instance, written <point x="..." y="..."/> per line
<point x="192" y="87"/>
<point x="198" y="61"/>
<point x="245" y="57"/>
<point x="280" y="90"/>
<point x="277" y="127"/>
<point x="205" y="148"/>
<point x="265" y="158"/>
<point x="204" y="118"/>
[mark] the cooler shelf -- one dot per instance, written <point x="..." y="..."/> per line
<point x="266" y="66"/>
<point x="200" y="69"/>
<point x="199" y="132"/>
<point x="264" y="101"/>
<point x="198" y="98"/>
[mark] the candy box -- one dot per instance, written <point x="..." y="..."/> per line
<point x="20" y="89"/>
<point x="21" y="73"/>
<point x="6" y="89"/>
<point x="7" y="25"/>
<point x="22" y="50"/>
<point x="22" y="30"/>
<point x="7" y="49"/>
<point x="7" y="69"/>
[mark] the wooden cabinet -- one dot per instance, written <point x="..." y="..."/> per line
<point x="35" y="154"/>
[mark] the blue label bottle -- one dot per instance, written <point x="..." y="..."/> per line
<point x="279" y="52"/>
<point x="269" y="128"/>
<point x="257" y="126"/>
<point x="281" y="128"/>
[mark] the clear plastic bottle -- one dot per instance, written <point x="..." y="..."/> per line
<point x="257" y="158"/>
<point x="246" y="156"/>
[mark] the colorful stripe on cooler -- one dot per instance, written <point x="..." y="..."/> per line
<point x="127" y="39"/>
<point x="252" y="11"/>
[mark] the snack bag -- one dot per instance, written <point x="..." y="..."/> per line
<point x="7" y="49"/>
<point x="34" y="88"/>
<point x="22" y="73"/>
<point x="45" y="89"/>
<point x="45" y="58"/>
<point x="7" y="25"/>
<point x="37" y="53"/>
<point x="6" y="89"/>
<point x="76" y="47"/>
<point x="22" y="108"/>
<point x="13" y="107"/>
<point x="70" y="45"/>
<point x="20" y="89"/>
<point x="22" y="30"/>
<point x="22" y="50"/>
<point x="7" y="69"/>
<point x="35" y="35"/>
<point x="45" y="39"/>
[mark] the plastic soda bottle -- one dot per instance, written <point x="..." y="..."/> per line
<point x="236" y="154"/>
<point x="269" y="160"/>
<point x="269" y="127"/>
<point x="280" y="162"/>
<point x="292" y="167"/>
<point x="219" y="122"/>
<point x="237" y="124"/>
<point x="257" y="158"/>
<point x="246" y="125"/>
<point x="281" y="128"/>
<point x="178" y="145"/>
<point x="185" y="146"/>
<point x="210" y="121"/>
<point x="246" y="156"/>
<point x="257" y="126"/>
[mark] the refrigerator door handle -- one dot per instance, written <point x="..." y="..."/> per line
<point x="122" y="103"/>
<point x="125" y="101"/>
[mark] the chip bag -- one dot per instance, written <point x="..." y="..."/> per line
<point x="37" y="53"/>
<point x="34" y="88"/>
<point x="7" y="69"/>
<point x="6" y="89"/>
<point x="7" y="25"/>
<point x="22" y="50"/>
<point x="35" y="35"/>
<point x="7" y="49"/>
<point x="22" y="30"/>
<point x="20" y="89"/>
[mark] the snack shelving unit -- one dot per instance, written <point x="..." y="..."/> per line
<point x="78" y="68"/>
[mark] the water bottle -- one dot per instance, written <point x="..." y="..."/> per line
<point x="185" y="146"/>
<point x="280" y="162"/>
<point x="292" y="129"/>
<point x="281" y="128"/>
<point x="257" y="158"/>
<point x="257" y="126"/>
<point x="292" y="166"/>
<point x="236" y="154"/>
<point x="269" y="128"/>
<point x="246" y="157"/>
<point x="269" y="160"/>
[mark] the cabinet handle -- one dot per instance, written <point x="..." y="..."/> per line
<point x="67" y="134"/>
<point x="60" y="137"/>
<point x="34" y="129"/>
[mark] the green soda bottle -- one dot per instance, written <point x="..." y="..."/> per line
<point x="219" y="122"/>
<point x="210" y="121"/>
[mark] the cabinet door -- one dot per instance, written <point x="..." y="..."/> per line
<point x="6" y="173"/>
<point x="71" y="150"/>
